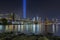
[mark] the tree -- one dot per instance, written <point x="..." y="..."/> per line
<point x="4" y="23"/>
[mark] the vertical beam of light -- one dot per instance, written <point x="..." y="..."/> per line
<point x="24" y="8"/>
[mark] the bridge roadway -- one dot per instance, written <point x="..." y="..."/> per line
<point x="33" y="22"/>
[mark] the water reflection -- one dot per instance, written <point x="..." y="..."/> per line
<point x="32" y="28"/>
<point x="1" y="28"/>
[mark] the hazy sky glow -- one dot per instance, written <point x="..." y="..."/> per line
<point x="49" y="8"/>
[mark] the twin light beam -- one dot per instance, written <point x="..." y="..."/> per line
<point x="24" y="8"/>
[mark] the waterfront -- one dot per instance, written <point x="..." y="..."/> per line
<point x="29" y="29"/>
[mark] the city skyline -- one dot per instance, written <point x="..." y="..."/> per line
<point x="29" y="19"/>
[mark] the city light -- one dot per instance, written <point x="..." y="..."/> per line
<point x="24" y="8"/>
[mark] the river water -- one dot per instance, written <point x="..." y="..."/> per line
<point x="26" y="29"/>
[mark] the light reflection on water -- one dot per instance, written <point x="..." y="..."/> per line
<point x="58" y="32"/>
<point x="0" y="27"/>
<point x="34" y="29"/>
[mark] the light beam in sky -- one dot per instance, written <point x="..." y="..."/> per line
<point x="24" y="8"/>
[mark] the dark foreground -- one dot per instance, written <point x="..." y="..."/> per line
<point x="22" y="36"/>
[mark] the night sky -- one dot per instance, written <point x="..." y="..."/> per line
<point x="41" y="8"/>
